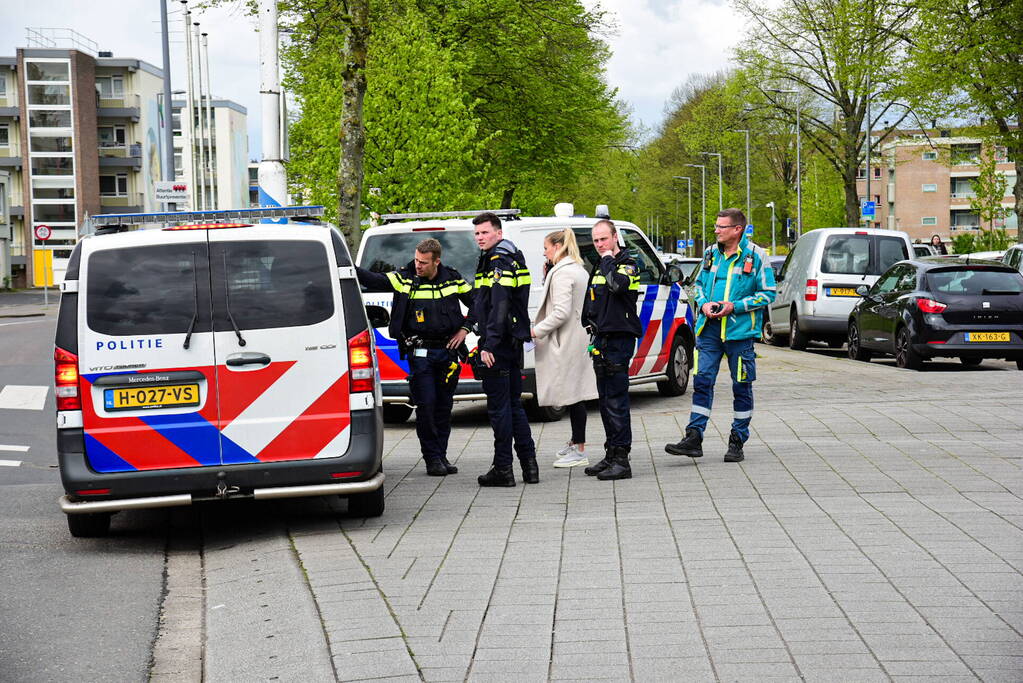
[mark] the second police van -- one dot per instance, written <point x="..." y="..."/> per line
<point x="663" y="354"/>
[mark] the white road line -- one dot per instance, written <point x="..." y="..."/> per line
<point x="27" y="322"/>
<point x="22" y="397"/>
<point x="10" y="463"/>
<point x="16" y="449"/>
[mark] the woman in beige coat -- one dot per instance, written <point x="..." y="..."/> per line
<point x="564" y="373"/>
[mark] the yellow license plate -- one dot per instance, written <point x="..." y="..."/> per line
<point x="841" y="291"/>
<point x="987" y="337"/>
<point x="142" y="398"/>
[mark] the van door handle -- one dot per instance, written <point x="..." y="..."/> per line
<point x="247" y="358"/>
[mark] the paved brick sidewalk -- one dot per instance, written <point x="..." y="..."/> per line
<point x="874" y="532"/>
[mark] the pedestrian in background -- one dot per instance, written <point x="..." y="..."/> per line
<point x="939" y="245"/>
<point x="610" y="316"/>
<point x="734" y="286"/>
<point x="564" y="376"/>
<point x="500" y="306"/>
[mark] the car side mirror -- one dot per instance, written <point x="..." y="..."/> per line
<point x="378" y="316"/>
<point x="862" y="290"/>
<point x="674" y="274"/>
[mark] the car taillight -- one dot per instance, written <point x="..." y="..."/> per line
<point x="930" y="306"/>
<point x="811" y="290"/>
<point x="65" y="380"/>
<point x="360" y="363"/>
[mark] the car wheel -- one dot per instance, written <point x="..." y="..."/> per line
<point x="905" y="356"/>
<point x="677" y="370"/>
<point x="1019" y="365"/>
<point x="856" y="350"/>
<point x="769" y="336"/>
<point x="970" y="361"/>
<point x="396" y="413"/>
<point x="797" y="340"/>
<point x="369" y="504"/>
<point x="89" y="525"/>
<point x="539" y="413"/>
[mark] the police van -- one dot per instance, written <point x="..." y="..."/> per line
<point x="210" y="356"/>
<point x="663" y="355"/>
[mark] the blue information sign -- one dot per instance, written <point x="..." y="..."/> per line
<point x="692" y="242"/>
<point x="749" y="230"/>
<point x="681" y="244"/>
<point x="868" y="209"/>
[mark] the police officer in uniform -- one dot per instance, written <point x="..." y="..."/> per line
<point x="609" y="313"/>
<point x="501" y="301"/>
<point x="428" y="324"/>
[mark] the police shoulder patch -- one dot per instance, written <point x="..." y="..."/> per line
<point x="630" y="270"/>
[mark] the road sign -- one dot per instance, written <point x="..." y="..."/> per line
<point x="749" y="230"/>
<point x="170" y="191"/>
<point x="681" y="244"/>
<point x="43" y="232"/>
<point x="692" y="242"/>
<point x="868" y="209"/>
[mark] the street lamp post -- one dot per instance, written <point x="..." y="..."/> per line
<point x="689" y="189"/>
<point x="774" y="247"/>
<point x="799" y="166"/>
<point x="749" y="215"/>
<point x="703" y="203"/>
<point x="721" y="189"/>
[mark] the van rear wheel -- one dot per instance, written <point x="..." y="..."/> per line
<point x="397" y="413"/>
<point x="89" y="525"/>
<point x="677" y="370"/>
<point x="797" y="340"/>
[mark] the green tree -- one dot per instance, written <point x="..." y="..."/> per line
<point x="989" y="191"/>
<point x="967" y="51"/>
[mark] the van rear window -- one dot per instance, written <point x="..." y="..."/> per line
<point x="862" y="254"/>
<point x="148" y="290"/>
<point x="386" y="252"/>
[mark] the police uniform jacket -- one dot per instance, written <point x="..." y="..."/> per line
<point x="501" y="296"/>
<point x="428" y="309"/>
<point x="611" y="296"/>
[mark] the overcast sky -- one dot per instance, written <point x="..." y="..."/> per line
<point x="657" y="45"/>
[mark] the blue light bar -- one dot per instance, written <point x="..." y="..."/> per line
<point x="225" y="216"/>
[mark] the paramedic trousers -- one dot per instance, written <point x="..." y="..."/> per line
<point x="503" y="386"/>
<point x="742" y="366"/>
<point x="616" y="350"/>
<point x="433" y="397"/>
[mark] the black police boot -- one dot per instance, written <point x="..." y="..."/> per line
<point x="451" y="469"/>
<point x="497" y="476"/>
<point x="601" y="465"/>
<point x="734" y="453"/>
<point x="530" y="470"/>
<point x="691" y="445"/>
<point x="435" y="468"/>
<point x="620" y="468"/>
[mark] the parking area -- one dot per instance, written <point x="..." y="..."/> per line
<point x="874" y="532"/>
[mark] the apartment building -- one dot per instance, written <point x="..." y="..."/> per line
<point x="5" y="230"/>
<point x="223" y="180"/>
<point x="921" y="182"/>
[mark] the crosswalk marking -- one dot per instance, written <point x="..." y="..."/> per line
<point x="10" y="463"/>
<point x="23" y="397"/>
<point x="16" y="449"/>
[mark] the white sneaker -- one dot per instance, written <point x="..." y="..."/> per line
<point x="570" y="456"/>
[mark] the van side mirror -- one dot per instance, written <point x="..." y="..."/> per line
<point x="862" y="290"/>
<point x="378" y="316"/>
<point x="674" y="273"/>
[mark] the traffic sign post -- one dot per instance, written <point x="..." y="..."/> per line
<point x="43" y="233"/>
<point x="868" y="210"/>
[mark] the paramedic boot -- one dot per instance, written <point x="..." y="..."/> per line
<point x="619" y="468"/>
<point x="691" y="445"/>
<point x="734" y="453"/>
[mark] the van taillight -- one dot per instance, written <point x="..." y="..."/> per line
<point x="65" y="380"/>
<point x="360" y="363"/>
<point x="811" y="290"/>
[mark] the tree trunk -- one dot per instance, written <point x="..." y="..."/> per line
<point x="506" y="199"/>
<point x="353" y="133"/>
<point x="852" y="197"/>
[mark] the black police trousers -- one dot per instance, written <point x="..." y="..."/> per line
<point x="433" y="396"/>
<point x="612" y="370"/>
<point x="503" y="387"/>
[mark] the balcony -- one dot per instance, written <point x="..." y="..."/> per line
<point x="118" y="149"/>
<point x="131" y="202"/>
<point x="126" y="107"/>
<point x="129" y="156"/>
<point x="964" y="228"/>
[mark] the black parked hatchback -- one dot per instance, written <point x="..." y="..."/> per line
<point x="940" y="307"/>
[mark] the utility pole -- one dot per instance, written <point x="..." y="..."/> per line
<point x="703" y="205"/>
<point x="774" y="247"/>
<point x="188" y="120"/>
<point x="799" y="162"/>
<point x="689" y="187"/>
<point x="273" y="186"/>
<point x="721" y="187"/>
<point x="168" y="108"/>
<point x="202" y="125"/>
<point x="869" y="220"/>
<point x="749" y="206"/>
<point x="209" y="122"/>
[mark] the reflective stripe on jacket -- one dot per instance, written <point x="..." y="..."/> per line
<point x="501" y="296"/>
<point x="611" y="296"/>
<point x="749" y="292"/>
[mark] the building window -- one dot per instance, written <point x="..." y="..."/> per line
<point x="861" y="173"/>
<point x="963" y="187"/>
<point x="3" y="85"/>
<point x="49" y="94"/>
<point x="176" y="121"/>
<point x="113" y="185"/>
<point x="60" y="143"/>
<point x="110" y="87"/>
<point x="53" y="213"/>
<point x="49" y="119"/>
<point x="5" y="135"/>
<point x="877" y="171"/>
<point x="966" y="155"/>
<point x="930" y="156"/>
<point x="929" y="220"/>
<point x="53" y="192"/>
<point x="111" y="136"/>
<point x="929" y="187"/>
<point x="47" y="71"/>
<point x="178" y="168"/>
<point x="53" y="166"/>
